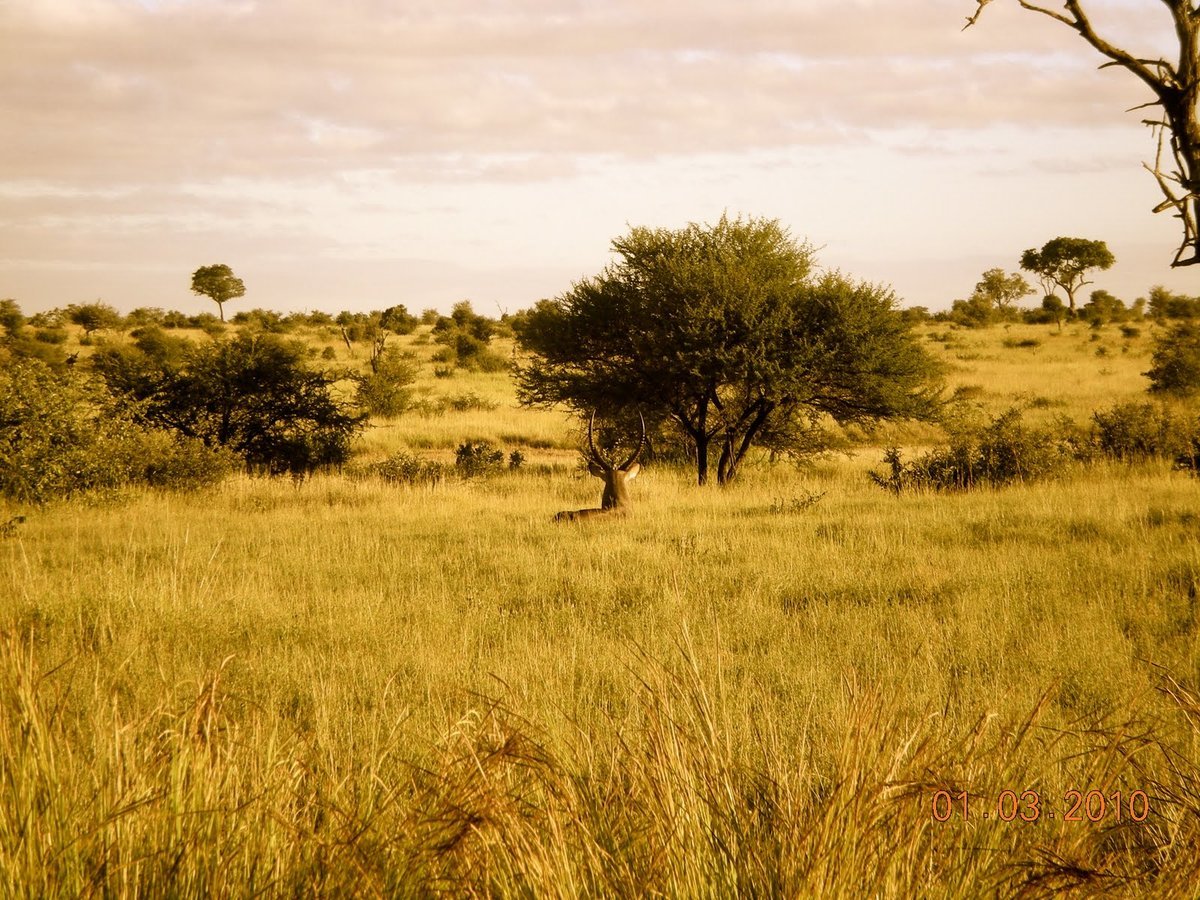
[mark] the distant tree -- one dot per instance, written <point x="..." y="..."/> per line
<point x="145" y="315"/>
<point x="315" y="318"/>
<point x="464" y="335"/>
<point x="1002" y="290"/>
<point x="18" y="342"/>
<point x="1054" y="309"/>
<point x="219" y="284"/>
<point x="398" y="320"/>
<point x="976" y="311"/>
<point x="11" y="317"/>
<point x="49" y="318"/>
<point x="1176" y="361"/>
<point x="1064" y="262"/>
<point x="92" y="317"/>
<point x="725" y="330"/>
<point x="465" y="319"/>
<point x="261" y="320"/>
<point x="910" y="315"/>
<point x="1167" y="305"/>
<point x="1175" y="88"/>
<point x="1102" y="308"/>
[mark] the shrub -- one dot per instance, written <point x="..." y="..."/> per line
<point x="478" y="458"/>
<point x="1133" y="432"/>
<point x="466" y="402"/>
<point x="64" y="435"/>
<point x="261" y="320"/>
<point x="1003" y="452"/>
<point x="387" y="389"/>
<point x="165" y="460"/>
<point x="1176" y="361"/>
<point x="144" y="316"/>
<point x="488" y="360"/>
<point x="51" y="335"/>
<point x="92" y="317"/>
<point x="406" y="468"/>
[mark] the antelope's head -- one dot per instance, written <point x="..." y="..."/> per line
<point x="616" y="478"/>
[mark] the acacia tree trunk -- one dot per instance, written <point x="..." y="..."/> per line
<point x="740" y="438"/>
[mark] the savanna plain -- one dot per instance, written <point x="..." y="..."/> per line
<point x="797" y="684"/>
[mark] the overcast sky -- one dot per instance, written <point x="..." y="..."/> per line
<point x="369" y="152"/>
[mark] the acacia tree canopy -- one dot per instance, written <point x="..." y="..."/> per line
<point x="1002" y="290"/>
<point x="727" y="331"/>
<point x="1064" y="262"/>
<point x="219" y="284"/>
<point x="1175" y="87"/>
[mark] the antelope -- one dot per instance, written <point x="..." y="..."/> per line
<point x="615" y="499"/>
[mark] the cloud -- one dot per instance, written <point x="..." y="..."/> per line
<point x="112" y="90"/>
<point x="158" y="134"/>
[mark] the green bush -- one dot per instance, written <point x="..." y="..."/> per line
<point x="476" y="458"/>
<point x="1176" y="361"/>
<point x="406" y="468"/>
<point x="50" y="335"/>
<point x="1133" y="432"/>
<point x="1005" y="451"/>
<point x="387" y="389"/>
<point x="62" y="435"/>
<point x="466" y="402"/>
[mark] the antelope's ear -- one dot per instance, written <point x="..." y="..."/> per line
<point x="631" y="472"/>
<point x="596" y="469"/>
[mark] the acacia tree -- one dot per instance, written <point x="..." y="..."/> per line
<point x="1176" y="87"/>
<point x="1001" y="290"/>
<point x="92" y="317"/>
<point x="219" y="284"/>
<point x="1064" y="262"/>
<point x="726" y="331"/>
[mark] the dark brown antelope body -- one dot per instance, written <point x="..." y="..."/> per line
<point x="615" y="499"/>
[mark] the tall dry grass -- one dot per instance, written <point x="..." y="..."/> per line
<point x="351" y="688"/>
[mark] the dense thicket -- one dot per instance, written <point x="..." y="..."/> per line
<point x="253" y="394"/>
<point x="63" y="433"/>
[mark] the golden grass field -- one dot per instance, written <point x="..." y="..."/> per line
<point x="349" y="688"/>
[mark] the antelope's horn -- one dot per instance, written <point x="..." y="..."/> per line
<point x="641" y="445"/>
<point x="595" y="454"/>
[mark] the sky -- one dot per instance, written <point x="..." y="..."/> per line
<point x="363" y="153"/>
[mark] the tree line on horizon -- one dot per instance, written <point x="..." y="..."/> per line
<point x="723" y="338"/>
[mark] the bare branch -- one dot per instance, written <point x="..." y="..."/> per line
<point x="971" y="20"/>
<point x="1176" y="89"/>
<point x="1047" y="12"/>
